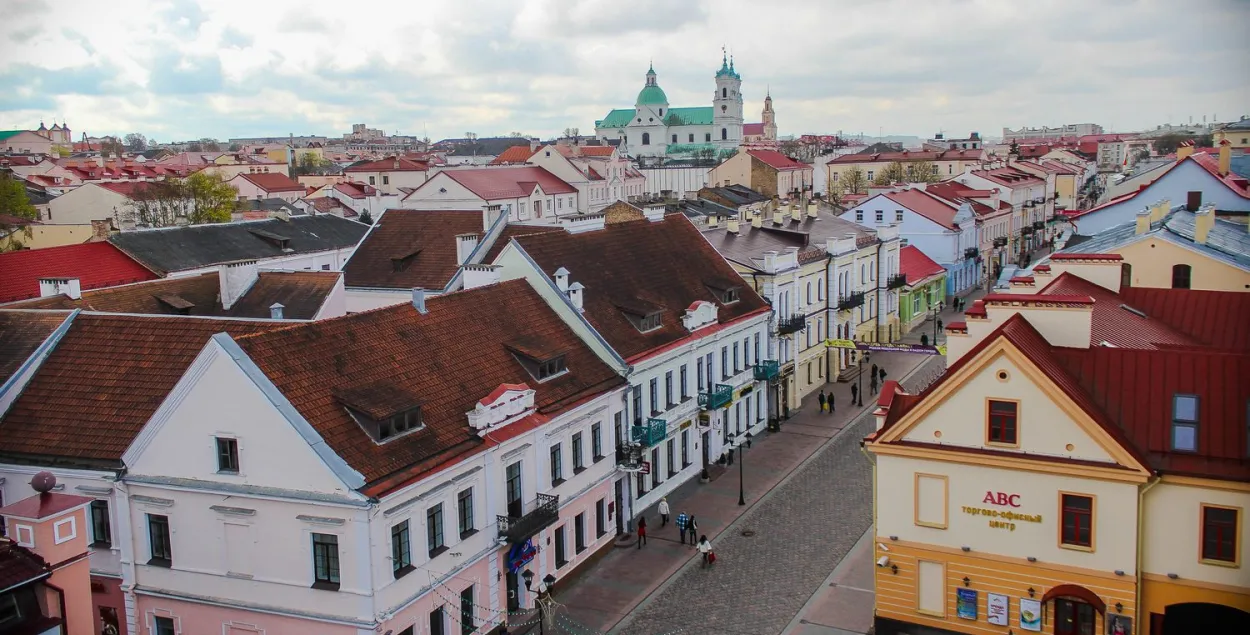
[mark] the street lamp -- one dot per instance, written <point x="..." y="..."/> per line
<point x="545" y="588"/>
<point x="859" y="379"/>
<point x="741" y="499"/>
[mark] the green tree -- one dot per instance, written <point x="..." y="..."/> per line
<point x="110" y="146"/>
<point x="212" y="199"/>
<point x="1014" y="150"/>
<point x="310" y="163"/>
<point x="891" y="173"/>
<point x="200" y="198"/>
<point x="366" y="218"/>
<point x="136" y="142"/>
<point x="922" y="172"/>
<point x="15" y="211"/>
<point x="854" y="181"/>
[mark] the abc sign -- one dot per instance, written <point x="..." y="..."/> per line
<point x="1001" y="498"/>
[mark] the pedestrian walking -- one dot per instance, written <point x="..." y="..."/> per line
<point x="642" y="532"/>
<point x="821" y="399"/>
<point x="705" y="548"/>
<point x="663" y="509"/>
<point x="830" y="402"/>
<point x="874" y="370"/>
<point x="883" y="374"/>
<point x="872" y="384"/>
<point x="854" y="394"/>
<point x="682" y="522"/>
<point x="692" y="528"/>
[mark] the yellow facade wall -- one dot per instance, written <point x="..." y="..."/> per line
<point x="1235" y="138"/>
<point x="42" y="236"/>
<point x="1152" y="260"/>
<point x="1172" y="534"/>
<point x="1158" y="593"/>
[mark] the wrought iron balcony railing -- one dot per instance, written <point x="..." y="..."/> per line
<point x="1039" y="224"/>
<point x="528" y="519"/>
<point x="650" y="434"/>
<point x="1001" y="241"/>
<point x="896" y="281"/>
<point x="792" y="324"/>
<point x="1026" y="230"/>
<point x="767" y="370"/>
<point x="850" y="301"/>
<point x="718" y="397"/>
<point x="972" y="252"/>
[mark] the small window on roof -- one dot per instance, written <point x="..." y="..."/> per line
<point x="383" y="409"/>
<point x="1185" y="423"/>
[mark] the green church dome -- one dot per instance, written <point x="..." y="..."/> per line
<point x="652" y="96"/>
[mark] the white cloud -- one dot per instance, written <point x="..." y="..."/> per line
<point x="240" y="68"/>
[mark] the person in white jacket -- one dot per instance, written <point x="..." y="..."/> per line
<point x="663" y="509"/>
<point x="705" y="548"/>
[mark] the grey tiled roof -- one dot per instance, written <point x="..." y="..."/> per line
<point x="1227" y="242"/>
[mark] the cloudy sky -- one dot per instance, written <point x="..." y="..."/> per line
<point x="227" y="68"/>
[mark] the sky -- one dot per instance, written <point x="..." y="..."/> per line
<point x="181" y="69"/>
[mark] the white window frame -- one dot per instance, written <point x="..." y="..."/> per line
<point x="29" y="530"/>
<point x="58" y="537"/>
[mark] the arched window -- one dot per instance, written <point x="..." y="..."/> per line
<point x="661" y="112"/>
<point x="646" y="138"/>
<point x="724" y="134"/>
<point x="724" y="92"/>
<point x="809" y="291"/>
<point x="724" y="108"/>
<point x="674" y="138"/>
<point x="1126" y="275"/>
<point x="1180" y="276"/>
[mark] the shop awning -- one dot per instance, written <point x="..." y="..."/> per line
<point x="1078" y="592"/>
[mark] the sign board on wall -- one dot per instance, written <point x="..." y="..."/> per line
<point x="1119" y="625"/>
<point x="996" y="608"/>
<point x="1030" y="614"/>
<point x="966" y="604"/>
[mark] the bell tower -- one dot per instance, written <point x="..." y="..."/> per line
<point x="727" y="106"/>
<point x="769" y="118"/>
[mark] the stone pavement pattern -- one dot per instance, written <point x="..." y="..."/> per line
<point x="802" y="530"/>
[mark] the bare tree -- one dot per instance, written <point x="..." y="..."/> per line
<point x="854" y="181"/>
<point x="136" y="142"/>
<point x="891" y="173"/>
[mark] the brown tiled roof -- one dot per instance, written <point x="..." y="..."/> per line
<point x="512" y="231"/>
<point x="19" y="565"/>
<point x="103" y="381"/>
<point x="621" y="212"/>
<point x="446" y="359"/>
<point x="810" y="235"/>
<point x="421" y="244"/>
<point x="273" y="182"/>
<point x="664" y="263"/>
<point x="301" y="293"/>
<point x="21" y="332"/>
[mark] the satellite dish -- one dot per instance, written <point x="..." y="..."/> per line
<point x="43" y="482"/>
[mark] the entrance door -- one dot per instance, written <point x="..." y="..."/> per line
<point x="620" y="506"/>
<point x="706" y="442"/>
<point x="514" y="592"/>
<point x="1073" y="617"/>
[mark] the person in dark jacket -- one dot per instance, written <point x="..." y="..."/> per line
<point x="642" y="532"/>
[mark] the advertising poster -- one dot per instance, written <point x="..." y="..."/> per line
<point x="996" y="608"/>
<point x="1030" y="614"/>
<point x="1119" y="625"/>
<point x="966" y="604"/>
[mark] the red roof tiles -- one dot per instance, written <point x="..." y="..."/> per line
<point x="96" y="265"/>
<point x="44" y="505"/>
<point x="393" y="164"/>
<point x="1215" y="318"/>
<point x="514" y="154"/>
<point x="905" y="156"/>
<point x="498" y="183"/>
<point x="21" y="332"/>
<point x="273" y="182"/>
<point x="753" y="129"/>
<point x="20" y="566"/>
<point x="410" y="248"/>
<point x="915" y="265"/>
<point x="777" y="160"/>
<point x="928" y="206"/>
<point x="1114" y="324"/>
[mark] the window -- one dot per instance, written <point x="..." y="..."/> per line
<point x="467" y="624"/>
<point x="400" y="423"/>
<point x="401" y="550"/>
<point x="707" y="137"/>
<point x="434" y="530"/>
<point x="1219" y="534"/>
<point x="880" y="216"/>
<point x="668" y="389"/>
<point x="372" y="181"/>
<point x="737" y="368"/>
<point x="1073" y="618"/>
<point x="898" y="215"/>
<point x="325" y="561"/>
<point x="654" y="386"/>
<point x="709" y="370"/>
<point x="1077" y="511"/>
<point x="672" y="464"/>
<point x="1003" y="422"/>
<point x="724" y="362"/>
<point x="870" y="175"/>
<point x="685" y="383"/>
<point x="757" y="347"/>
<point x="512" y="488"/>
<point x="561" y="551"/>
<point x="158" y="541"/>
<point x="596" y="442"/>
<point x="438" y="622"/>
<point x="859" y="215"/>
<point x="386" y="180"/>
<point x="579" y="532"/>
<point x="646" y="138"/>
<point x="1185" y="423"/>
<point x="674" y="138"/>
<point x="227" y="455"/>
<point x="637" y="405"/>
<point x="601" y="517"/>
<point x="724" y="134"/>
<point x="101" y="532"/>
<point x="464" y="513"/>
<point x="557" y="467"/>
<point x="698" y="370"/>
<point x="724" y="93"/>
<point x="1180" y="276"/>
<point x="685" y="448"/>
<point x="162" y="625"/>
<point x="578" y="463"/>
<point x="691" y="138"/>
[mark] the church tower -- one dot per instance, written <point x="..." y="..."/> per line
<point x="769" y="118"/>
<point x="727" y="107"/>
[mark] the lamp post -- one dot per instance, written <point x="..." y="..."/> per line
<point x="545" y="588"/>
<point x="741" y="499"/>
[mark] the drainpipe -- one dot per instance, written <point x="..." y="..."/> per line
<point x="1141" y="499"/>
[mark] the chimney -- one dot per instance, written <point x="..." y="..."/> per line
<point x="576" y="291"/>
<point x="465" y="244"/>
<point x="490" y="214"/>
<point x="480" y="275"/>
<point x="101" y="229"/>
<point x="770" y="261"/>
<point x="1160" y="209"/>
<point x="275" y="310"/>
<point x="796" y="213"/>
<point x="1186" y="148"/>
<point x="757" y="219"/>
<point x="712" y="220"/>
<point x="731" y="225"/>
<point x="1143" y="220"/>
<point x="71" y="287"/>
<point x="812" y="210"/>
<point x="654" y="213"/>
<point x="234" y="280"/>
<point x="562" y="279"/>
<point x="1204" y="220"/>
<point x="1226" y="157"/>
<point x="418" y="300"/>
<point x="779" y="215"/>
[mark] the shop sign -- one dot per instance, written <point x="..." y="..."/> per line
<point x="886" y="348"/>
<point x="520" y="555"/>
<point x="746" y="391"/>
<point x="646" y="467"/>
<point x="1001" y="518"/>
<point x="1030" y="614"/>
<point x="996" y="608"/>
<point x="966" y="604"/>
<point x="686" y="424"/>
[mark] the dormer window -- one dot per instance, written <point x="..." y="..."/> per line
<point x="726" y="291"/>
<point x="281" y="242"/>
<point x="1185" y="423"/>
<point x="385" y="410"/>
<point x="551" y="368"/>
<point x="539" y="359"/>
<point x="729" y="296"/>
<point x="400" y="262"/>
<point x="645" y="316"/>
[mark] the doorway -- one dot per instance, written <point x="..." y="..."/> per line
<point x="706" y="437"/>
<point x="514" y="591"/>
<point x="1073" y="617"/>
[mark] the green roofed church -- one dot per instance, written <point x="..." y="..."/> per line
<point x="652" y="129"/>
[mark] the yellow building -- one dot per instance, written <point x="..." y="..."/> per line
<point x="947" y="163"/>
<point x="1175" y="248"/>
<point x="826" y="278"/>
<point x="1073" y="472"/>
<point x="1237" y="134"/>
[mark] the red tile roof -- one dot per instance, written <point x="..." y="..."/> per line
<point x="513" y="230"/>
<point x="273" y="182"/>
<point x="393" y="164"/>
<point x="496" y="183"/>
<point x="905" y="156"/>
<point x="96" y="265"/>
<point x="21" y="332"/>
<point x="514" y="154"/>
<point x="673" y="267"/>
<point x="1010" y="177"/>
<point x="915" y="265"/>
<point x="1215" y="318"/>
<point x="445" y="361"/>
<point x="753" y="129"/>
<point x="932" y="208"/>
<point x="1233" y="181"/>
<point x="1114" y="324"/>
<point x="597" y="151"/>
<point x="777" y="160"/>
<point x="45" y="505"/>
<point x="125" y="188"/>
<point x="958" y="193"/>
<point x="20" y="566"/>
<point x="409" y="248"/>
<point x="102" y="382"/>
<point x="355" y="190"/>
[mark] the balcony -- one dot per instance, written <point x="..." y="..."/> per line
<point x="896" y="281"/>
<point x="971" y="252"/>
<point x="718" y="397"/>
<point x="850" y="301"/>
<point x="1001" y="241"/>
<point x="1039" y="200"/>
<point x="1027" y="230"/>
<point x="767" y="370"/>
<point x="650" y="434"/>
<point x="529" y="518"/>
<point x="792" y="324"/>
<point x="1039" y="224"/>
